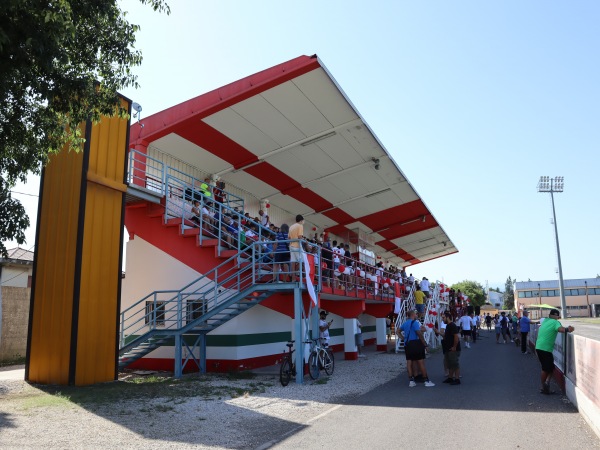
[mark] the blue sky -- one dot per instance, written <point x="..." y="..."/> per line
<point x="475" y="100"/>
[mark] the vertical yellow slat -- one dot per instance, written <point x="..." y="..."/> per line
<point x="98" y="305"/>
<point x="50" y="336"/>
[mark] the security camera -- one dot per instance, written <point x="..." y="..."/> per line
<point x="137" y="108"/>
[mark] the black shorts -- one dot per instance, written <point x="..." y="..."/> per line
<point x="415" y="350"/>
<point x="546" y="359"/>
<point x="465" y="333"/>
<point x="282" y="257"/>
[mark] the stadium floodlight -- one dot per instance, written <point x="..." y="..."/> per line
<point x="552" y="185"/>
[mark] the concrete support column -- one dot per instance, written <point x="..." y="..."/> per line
<point x="298" y="335"/>
<point x="350" y="349"/>
<point x="380" y="335"/>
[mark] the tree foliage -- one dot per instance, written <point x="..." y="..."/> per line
<point x="473" y="290"/>
<point x="61" y="63"/>
<point x="509" y="294"/>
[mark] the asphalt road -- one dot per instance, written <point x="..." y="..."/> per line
<point x="498" y="405"/>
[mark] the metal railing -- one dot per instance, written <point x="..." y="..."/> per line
<point x="150" y="173"/>
<point x="181" y="310"/>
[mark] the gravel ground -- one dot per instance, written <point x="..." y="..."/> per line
<point x="30" y="418"/>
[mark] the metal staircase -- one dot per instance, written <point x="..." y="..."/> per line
<point x="164" y="317"/>
<point x="433" y="308"/>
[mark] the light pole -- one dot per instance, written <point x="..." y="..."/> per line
<point x="587" y="299"/>
<point x="552" y="185"/>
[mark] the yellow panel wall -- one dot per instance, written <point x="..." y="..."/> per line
<point x="102" y="246"/>
<point x="50" y="328"/>
<point x="76" y="287"/>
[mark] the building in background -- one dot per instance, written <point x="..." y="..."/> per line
<point x="582" y="295"/>
<point x="15" y="281"/>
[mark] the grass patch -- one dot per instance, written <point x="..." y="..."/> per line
<point x="244" y="375"/>
<point x="145" y="388"/>
<point x="17" y="361"/>
<point x="322" y="380"/>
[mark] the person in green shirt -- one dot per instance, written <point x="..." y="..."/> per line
<point x="545" y="344"/>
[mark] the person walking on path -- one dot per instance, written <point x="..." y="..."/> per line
<point x="545" y="344"/>
<point x="504" y="326"/>
<point x="465" y="329"/>
<point x="414" y="348"/>
<point x="451" y="350"/>
<point x="488" y="322"/>
<point x="524" y="327"/>
<point x="474" y="326"/>
<point x="497" y="327"/>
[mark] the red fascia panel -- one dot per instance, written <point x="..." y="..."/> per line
<point x="398" y="231"/>
<point x="287" y="185"/>
<point x="339" y="216"/>
<point x="217" y="143"/>
<point x="378" y="309"/>
<point x="386" y="245"/>
<point x="396" y="215"/>
<point x="162" y="123"/>
<point x="348" y="309"/>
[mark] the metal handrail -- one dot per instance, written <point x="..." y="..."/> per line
<point x="163" y="311"/>
<point x="151" y="173"/>
<point x="145" y="172"/>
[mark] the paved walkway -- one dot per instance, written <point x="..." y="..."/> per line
<point x="498" y="405"/>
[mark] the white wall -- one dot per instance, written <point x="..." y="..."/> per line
<point x="150" y="269"/>
<point x="15" y="276"/>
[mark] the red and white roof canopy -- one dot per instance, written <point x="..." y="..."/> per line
<point x="289" y="134"/>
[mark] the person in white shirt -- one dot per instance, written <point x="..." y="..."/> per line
<point x="324" y="328"/>
<point x="473" y="327"/>
<point x="425" y="286"/>
<point x="465" y="329"/>
<point x="359" y="338"/>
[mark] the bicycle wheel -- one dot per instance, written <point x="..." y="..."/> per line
<point x="285" y="371"/>
<point x="313" y="365"/>
<point x="328" y="361"/>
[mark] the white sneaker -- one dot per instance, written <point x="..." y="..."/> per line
<point x="429" y="384"/>
<point x="361" y="356"/>
<point x="412" y="383"/>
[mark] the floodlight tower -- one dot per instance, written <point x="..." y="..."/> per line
<point x="552" y="185"/>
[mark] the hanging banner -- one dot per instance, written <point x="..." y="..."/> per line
<point x="309" y="270"/>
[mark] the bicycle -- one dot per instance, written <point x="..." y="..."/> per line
<point x="320" y="358"/>
<point x="288" y="367"/>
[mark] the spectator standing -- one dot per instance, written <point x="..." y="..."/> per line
<point x="473" y="327"/>
<point x="451" y="350"/>
<point x="425" y="286"/>
<point x="296" y="232"/>
<point x="504" y="326"/>
<point x="281" y="255"/>
<point x="414" y="348"/>
<point x="497" y="328"/>
<point x="263" y="218"/>
<point x="324" y="328"/>
<point x="524" y="325"/>
<point x="359" y="338"/>
<point x="219" y="192"/>
<point x="419" y="301"/>
<point x="465" y="329"/>
<point x="545" y="344"/>
<point x="488" y="322"/>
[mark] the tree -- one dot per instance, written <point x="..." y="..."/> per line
<point x="509" y="294"/>
<point x="61" y="63"/>
<point x="473" y="290"/>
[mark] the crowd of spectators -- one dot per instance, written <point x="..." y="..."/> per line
<point x="338" y="267"/>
